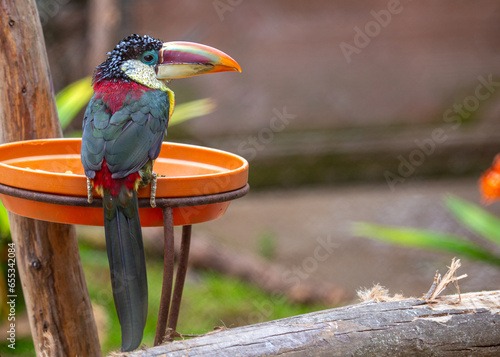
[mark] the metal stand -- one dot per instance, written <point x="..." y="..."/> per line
<point x="170" y="295"/>
<point x="167" y="318"/>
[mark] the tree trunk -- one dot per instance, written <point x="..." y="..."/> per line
<point x="411" y="327"/>
<point x="56" y="296"/>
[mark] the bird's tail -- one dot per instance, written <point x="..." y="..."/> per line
<point x="127" y="265"/>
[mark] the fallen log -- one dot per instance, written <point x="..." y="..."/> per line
<point x="456" y="325"/>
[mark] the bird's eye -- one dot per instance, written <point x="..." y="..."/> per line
<point x="149" y="57"/>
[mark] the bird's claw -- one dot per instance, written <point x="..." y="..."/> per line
<point x="152" y="198"/>
<point x="90" y="188"/>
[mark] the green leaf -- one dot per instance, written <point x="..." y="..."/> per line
<point x="72" y="99"/>
<point x="267" y="244"/>
<point x="428" y="240"/>
<point x="193" y="109"/>
<point x="4" y="222"/>
<point x="477" y="219"/>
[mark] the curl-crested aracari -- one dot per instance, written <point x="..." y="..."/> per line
<point x="123" y="129"/>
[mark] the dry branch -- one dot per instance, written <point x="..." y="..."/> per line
<point x="440" y="284"/>
<point x="446" y="327"/>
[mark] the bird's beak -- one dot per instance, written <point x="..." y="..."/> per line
<point x="187" y="59"/>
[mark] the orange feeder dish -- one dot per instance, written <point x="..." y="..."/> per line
<point x="186" y="175"/>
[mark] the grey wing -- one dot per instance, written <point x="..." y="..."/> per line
<point x="139" y="139"/>
<point x="93" y="146"/>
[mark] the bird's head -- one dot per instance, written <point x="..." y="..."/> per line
<point x="148" y="61"/>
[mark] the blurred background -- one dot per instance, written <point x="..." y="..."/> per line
<point x="347" y="111"/>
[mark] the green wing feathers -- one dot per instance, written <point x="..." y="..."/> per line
<point x="128" y="138"/>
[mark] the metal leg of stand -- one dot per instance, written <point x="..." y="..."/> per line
<point x="168" y="274"/>
<point x="180" y="277"/>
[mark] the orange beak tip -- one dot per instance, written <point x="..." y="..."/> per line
<point x="187" y="59"/>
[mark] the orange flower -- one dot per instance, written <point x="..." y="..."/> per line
<point x="489" y="183"/>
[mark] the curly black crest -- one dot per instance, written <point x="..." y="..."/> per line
<point x="128" y="48"/>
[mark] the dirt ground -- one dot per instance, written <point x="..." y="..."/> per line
<point x="312" y="231"/>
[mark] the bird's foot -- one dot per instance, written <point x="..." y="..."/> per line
<point x="152" y="198"/>
<point x="90" y="188"/>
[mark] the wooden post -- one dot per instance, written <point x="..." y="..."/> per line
<point x="48" y="261"/>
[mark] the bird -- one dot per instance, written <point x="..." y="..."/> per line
<point x="124" y="125"/>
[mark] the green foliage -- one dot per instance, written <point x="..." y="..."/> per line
<point x="24" y="348"/>
<point x="4" y="223"/>
<point x="267" y="242"/>
<point x="4" y="239"/>
<point x="474" y="217"/>
<point x="72" y="99"/>
<point x="192" y="109"/>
